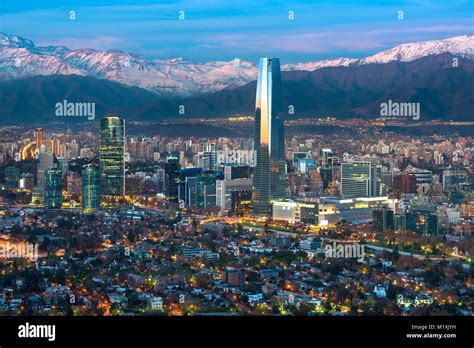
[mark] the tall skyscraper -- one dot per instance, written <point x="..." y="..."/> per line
<point x="56" y="146"/>
<point x="382" y="218"/>
<point x="454" y="177"/>
<point x="172" y="178"/>
<point x="112" y="156"/>
<point x="90" y="188"/>
<point x="38" y="137"/>
<point x="269" y="177"/>
<point x="46" y="161"/>
<point x="206" y="190"/>
<point x="210" y="157"/>
<point x="359" y="179"/>
<point x="53" y="180"/>
<point x="190" y="190"/>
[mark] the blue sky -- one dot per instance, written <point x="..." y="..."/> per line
<point x="248" y="29"/>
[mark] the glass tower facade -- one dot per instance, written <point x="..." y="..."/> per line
<point x="90" y="188"/>
<point x="206" y="190"/>
<point x="112" y="153"/>
<point x="53" y="180"/>
<point x="269" y="177"/>
<point x="172" y="178"/>
<point x="210" y="157"/>
<point x="359" y="179"/>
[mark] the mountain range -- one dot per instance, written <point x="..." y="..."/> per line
<point x="177" y="77"/>
<point x="33" y="79"/>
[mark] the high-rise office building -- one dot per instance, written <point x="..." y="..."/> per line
<point x="269" y="177"/>
<point x="229" y="192"/>
<point x="74" y="149"/>
<point x="422" y="222"/>
<point x="63" y="164"/>
<point x="190" y="172"/>
<point x="359" y="179"/>
<point x="53" y="180"/>
<point x="190" y="190"/>
<point x="404" y="183"/>
<point x="382" y="218"/>
<point x="38" y="137"/>
<point x="56" y="147"/>
<point x="454" y="177"/>
<point x="172" y="178"/>
<point x="46" y="161"/>
<point x="112" y="156"/>
<point x="90" y="188"/>
<point x="206" y="190"/>
<point x="210" y="157"/>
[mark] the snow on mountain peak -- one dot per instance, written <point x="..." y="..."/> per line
<point x="459" y="45"/>
<point x="177" y="77"/>
<point x="311" y="66"/>
<point x="14" y="41"/>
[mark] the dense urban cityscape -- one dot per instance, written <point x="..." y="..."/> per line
<point x="102" y="222"/>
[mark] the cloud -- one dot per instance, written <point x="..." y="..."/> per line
<point x="216" y="30"/>
<point x="98" y="43"/>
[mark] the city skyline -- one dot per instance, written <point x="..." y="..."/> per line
<point x="235" y="191"/>
<point x="385" y="194"/>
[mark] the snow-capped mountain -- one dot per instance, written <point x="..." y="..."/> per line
<point x="20" y="58"/>
<point x="170" y="77"/>
<point x="311" y="66"/>
<point x="459" y="45"/>
<point x="177" y="77"/>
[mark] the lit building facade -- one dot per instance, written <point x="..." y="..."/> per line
<point x="206" y="190"/>
<point x="295" y="212"/>
<point x="53" y="188"/>
<point x="269" y="176"/>
<point x="359" y="179"/>
<point x="210" y="157"/>
<point x="38" y="138"/>
<point x="230" y="194"/>
<point x="90" y="188"/>
<point x="172" y="178"/>
<point x="46" y="161"/>
<point x="112" y="156"/>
